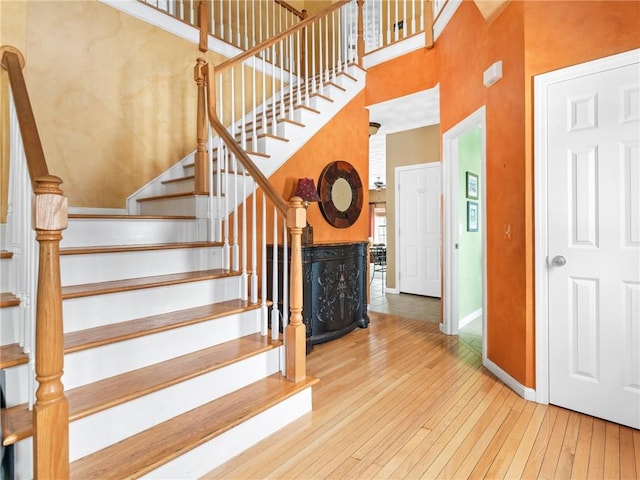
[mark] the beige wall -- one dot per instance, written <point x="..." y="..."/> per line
<point x="421" y="145"/>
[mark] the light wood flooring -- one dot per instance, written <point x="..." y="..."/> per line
<point x="401" y="400"/>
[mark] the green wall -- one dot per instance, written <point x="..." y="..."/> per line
<point x="470" y="253"/>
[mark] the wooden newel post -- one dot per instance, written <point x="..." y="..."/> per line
<point x="51" y="410"/>
<point x="202" y="156"/>
<point x="203" y="13"/>
<point x="360" y="32"/>
<point x="295" y="334"/>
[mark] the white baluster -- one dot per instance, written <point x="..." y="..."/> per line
<point x="238" y="38"/>
<point x="265" y="103"/>
<point x="244" y="280"/>
<point x="230" y="23"/>
<point x="282" y="109"/>
<point x="253" y="23"/>
<point x="290" y="42"/>
<point x="273" y="94"/>
<point x="235" y="254"/>
<point x="396" y="32"/>
<point x="263" y="275"/>
<point x="335" y="30"/>
<point x="320" y="58"/>
<point x="275" y="313"/>
<point x="413" y="17"/>
<point x="254" y="107"/>
<point x="326" y="49"/>
<point x="243" y="122"/>
<point x="254" y="245"/>
<point x="299" y="68"/>
<point x="212" y="232"/>
<point x="212" y="19"/>
<point x="246" y="26"/>
<point x="226" y="255"/>
<point x="404" y="19"/>
<point x="422" y="15"/>
<point x="389" y="22"/>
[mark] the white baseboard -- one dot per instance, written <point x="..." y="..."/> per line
<point x="464" y="321"/>
<point x="525" y="392"/>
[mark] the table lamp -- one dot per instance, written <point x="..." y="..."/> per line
<point x="306" y="190"/>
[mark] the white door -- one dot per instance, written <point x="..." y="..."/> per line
<point x="418" y="198"/>
<point x="593" y="225"/>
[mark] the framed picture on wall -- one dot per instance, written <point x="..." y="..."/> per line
<point x="472" y="216"/>
<point x="472" y="186"/>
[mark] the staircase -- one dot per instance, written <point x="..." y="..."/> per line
<point x="168" y="368"/>
<point x="162" y="357"/>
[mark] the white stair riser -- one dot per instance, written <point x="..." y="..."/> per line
<point x="90" y="232"/>
<point x="95" y="364"/>
<point x="96" y="310"/>
<point x="9" y="325"/>
<point x="203" y="459"/>
<point x="17" y="383"/>
<point x="183" y="186"/>
<point x="102" y="267"/>
<point x="23" y="455"/>
<point x="6" y="275"/>
<point x="125" y="420"/>
<point x="169" y="206"/>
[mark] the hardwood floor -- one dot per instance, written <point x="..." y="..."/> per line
<point x="401" y="400"/>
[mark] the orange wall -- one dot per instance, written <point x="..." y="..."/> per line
<point x="345" y="137"/>
<point x="530" y="38"/>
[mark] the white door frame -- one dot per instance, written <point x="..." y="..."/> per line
<point x="541" y="84"/>
<point x="397" y="214"/>
<point x="450" y="232"/>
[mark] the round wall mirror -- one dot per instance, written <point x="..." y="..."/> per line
<point x="341" y="194"/>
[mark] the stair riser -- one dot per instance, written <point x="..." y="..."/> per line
<point x="97" y="310"/>
<point x="201" y="460"/>
<point x="23" y="455"/>
<point x="89" y="232"/>
<point x="9" y="325"/>
<point x="168" y="206"/>
<point x="17" y="385"/>
<point x="6" y="275"/>
<point x="132" y="417"/>
<point x="102" y="267"/>
<point x="97" y="363"/>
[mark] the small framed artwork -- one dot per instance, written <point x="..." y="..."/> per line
<point x="472" y="186"/>
<point x="472" y="216"/>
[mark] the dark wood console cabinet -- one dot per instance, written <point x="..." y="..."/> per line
<point x="334" y="288"/>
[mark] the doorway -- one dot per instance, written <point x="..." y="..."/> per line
<point x="418" y="192"/>
<point x="464" y="219"/>
<point x="587" y="211"/>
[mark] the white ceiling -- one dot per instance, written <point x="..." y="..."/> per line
<point x="419" y="109"/>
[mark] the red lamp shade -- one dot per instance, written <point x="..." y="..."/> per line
<point x="307" y="190"/>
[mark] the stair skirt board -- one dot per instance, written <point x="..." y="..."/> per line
<point x="149" y="410"/>
<point x="104" y="267"/>
<point x="206" y="457"/>
<point x="129" y="305"/>
<point x="88" y="232"/>
<point x="113" y="359"/>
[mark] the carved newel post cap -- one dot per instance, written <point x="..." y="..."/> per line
<point x="49" y="205"/>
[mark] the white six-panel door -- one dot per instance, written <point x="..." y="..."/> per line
<point x="419" y="238"/>
<point x="593" y="235"/>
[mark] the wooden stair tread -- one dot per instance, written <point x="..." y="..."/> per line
<point x="5" y="254"/>
<point x="145" y="451"/>
<point x="136" y="247"/>
<point x="110" y="392"/>
<point x="131" y="217"/>
<point x="12" y="355"/>
<point x="113" y="286"/>
<point x="117" y="332"/>
<point x="169" y="195"/>
<point x="8" y="299"/>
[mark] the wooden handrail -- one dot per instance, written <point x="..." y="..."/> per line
<point x="207" y="71"/>
<point x="293" y="10"/>
<point x="267" y="43"/>
<point x="13" y="61"/>
<point x="51" y="411"/>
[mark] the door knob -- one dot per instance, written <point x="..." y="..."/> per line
<point x="558" y="261"/>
